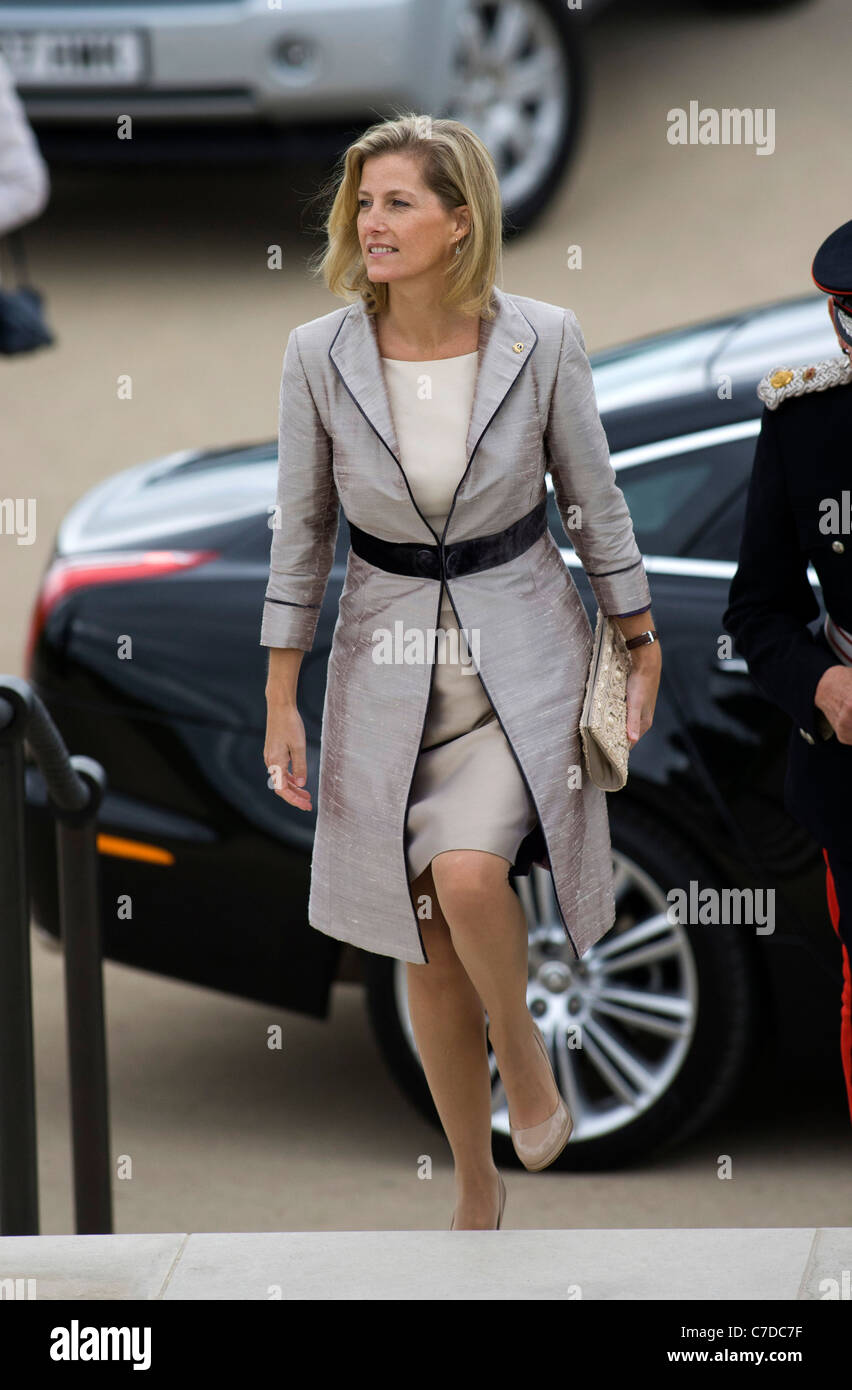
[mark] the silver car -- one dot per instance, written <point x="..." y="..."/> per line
<point x="277" y="78"/>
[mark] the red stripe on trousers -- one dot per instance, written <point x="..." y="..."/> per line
<point x="846" y="1002"/>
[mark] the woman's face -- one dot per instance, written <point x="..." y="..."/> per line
<point x="396" y="209"/>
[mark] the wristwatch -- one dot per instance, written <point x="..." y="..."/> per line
<point x="642" y="639"/>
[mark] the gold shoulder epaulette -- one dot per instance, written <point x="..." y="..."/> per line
<point x="776" y="386"/>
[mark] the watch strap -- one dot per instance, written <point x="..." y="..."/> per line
<point x="642" y="639"/>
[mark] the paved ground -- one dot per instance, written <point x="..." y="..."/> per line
<point x="163" y="275"/>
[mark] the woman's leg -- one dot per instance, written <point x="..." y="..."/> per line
<point x="489" y="934"/>
<point x="449" y="1029"/>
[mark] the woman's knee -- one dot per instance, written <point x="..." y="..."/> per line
<point x="464" y="879"/>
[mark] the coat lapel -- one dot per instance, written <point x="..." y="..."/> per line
<point x="355" y="355"/>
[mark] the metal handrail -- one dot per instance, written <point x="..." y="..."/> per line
<point x="75" y="789"/>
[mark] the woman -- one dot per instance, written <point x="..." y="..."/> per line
<point x="433" y="405"/>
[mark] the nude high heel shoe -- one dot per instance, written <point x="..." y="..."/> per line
<point x="500" y="1209"/>
<point x="538" y="1145"/>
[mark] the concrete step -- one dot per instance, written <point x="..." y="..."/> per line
<point x="703" y="1263"/>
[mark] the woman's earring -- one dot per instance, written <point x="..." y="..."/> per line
<point x="458" y="248"/>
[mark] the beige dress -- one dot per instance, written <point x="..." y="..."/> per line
<point x="467" y="792"/>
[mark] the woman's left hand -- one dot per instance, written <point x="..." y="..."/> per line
<point x="642" y="685"/>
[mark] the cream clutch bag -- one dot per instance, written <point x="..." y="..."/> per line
<point x="603" y="721"/>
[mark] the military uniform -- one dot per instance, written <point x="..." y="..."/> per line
<point x="799" y="513"/>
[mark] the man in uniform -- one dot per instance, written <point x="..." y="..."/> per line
<point x="799" y="512"/>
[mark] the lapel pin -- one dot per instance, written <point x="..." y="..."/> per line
<point x="517" y="347"/>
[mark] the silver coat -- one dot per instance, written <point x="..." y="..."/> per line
<point x="534" y="410"/>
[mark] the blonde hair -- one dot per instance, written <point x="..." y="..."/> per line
<point x="456" y="165"/>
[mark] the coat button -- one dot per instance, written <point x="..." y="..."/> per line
<point x="838" y="546"/>
<point x="451" y="563"/>
<point x="809" y="738"/>
<point x="425" y="562"/>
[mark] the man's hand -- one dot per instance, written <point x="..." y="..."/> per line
<point x="833" y="696"/>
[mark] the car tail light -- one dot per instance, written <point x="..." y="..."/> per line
<point x="108" y="567"/>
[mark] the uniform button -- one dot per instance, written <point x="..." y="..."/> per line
<point x="809" y="738"/>
<point x="425" y="562"/>
<point x="838" y="546"/>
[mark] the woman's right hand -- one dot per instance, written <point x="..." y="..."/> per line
<point x="285" y="745"/>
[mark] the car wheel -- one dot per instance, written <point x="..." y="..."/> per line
<point x="518" y="85"/>
<point x="664" y="1013"/>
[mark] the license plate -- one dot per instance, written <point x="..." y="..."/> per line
<point x="74" y="57"/>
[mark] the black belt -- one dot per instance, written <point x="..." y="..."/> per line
<point x="460" y="557"/>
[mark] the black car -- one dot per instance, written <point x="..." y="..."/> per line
<point x="144" y="645"/>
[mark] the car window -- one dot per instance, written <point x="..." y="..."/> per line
<point x="720" y="540"/>
<point x="667" y="499"/>
<point x="674" y="501"/>
<point x="718" y="537"/>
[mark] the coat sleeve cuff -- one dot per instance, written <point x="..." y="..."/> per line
<point x="286" y="624"/>
<point x="633" y="612"/>
<point x="623" y="591"/>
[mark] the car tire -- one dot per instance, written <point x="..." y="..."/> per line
<point x="726" y="1022"/>
<point x="520" y="212"/>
